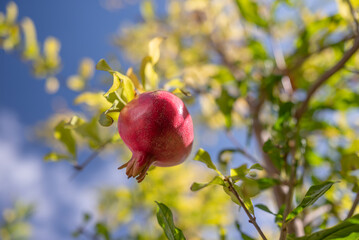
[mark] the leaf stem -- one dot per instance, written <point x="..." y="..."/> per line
<point x="252" y="219"/>
<point x="355" y="204"/>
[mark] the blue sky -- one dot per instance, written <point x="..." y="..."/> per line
<point x="84" y="29"/>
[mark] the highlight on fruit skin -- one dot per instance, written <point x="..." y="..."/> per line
<point x="158" y="129"/>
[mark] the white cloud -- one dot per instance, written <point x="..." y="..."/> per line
<point x="59" y="202"/>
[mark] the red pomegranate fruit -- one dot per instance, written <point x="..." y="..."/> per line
<point x="158" y="129"/>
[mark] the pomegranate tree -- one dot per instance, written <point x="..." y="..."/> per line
<point x="158" y="129"/>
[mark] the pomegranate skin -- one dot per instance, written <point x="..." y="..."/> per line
<point x="158" y="129"/>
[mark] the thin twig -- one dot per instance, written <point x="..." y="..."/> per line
<point x="252" y="219"/>
<point x="289" y="196"/>
<point x="300" y="60"/>
<point x="93" y="155"/>
<point x="355" y="204"/>
<point x="314" y="214"/>
<point x="352" y="11"/>
<point x="239" y="148"/>
<point x="323" y="78"/>
<point x="352" y="70"/>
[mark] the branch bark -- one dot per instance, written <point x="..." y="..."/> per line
<point x="323" y="78"/>
<point x="279" y="194"/>
<point x="355" y="204"/>
<point x="252" y="219"/>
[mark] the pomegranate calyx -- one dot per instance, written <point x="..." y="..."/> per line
<point x="138" y="166"/>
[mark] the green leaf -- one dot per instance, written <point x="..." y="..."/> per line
<point x="346" y="230"/>
<point x="102" y="230"/>
<point x="64" y="135"/>
<point x="165" y="220"/>
<point x="312" y="195"/>
<point x="239" y="172"/>
<point x="249" y="187"/>
<point x="86" y="217"/>
<point x="102" y="65"/>
<point x="256" y="166"/>
<point x="265" y="183"/>
<point x="222" y="233"/>
<point x="89" y="130"/>
<point x="203" y="156"/>
<point x="274" y="153"/>
<point x="349" y="162"/>
<point x="265" y="208"/>
<point x="257" y="49"/>
<point x="249" y="11"/>
<point x="54" y="156"/>
<point x="225" y="103"/>
<point x="105" y="120"/>
<point x="224" y="75"/>
<point x="246" y="200"/>
<point x="215" y="181"/>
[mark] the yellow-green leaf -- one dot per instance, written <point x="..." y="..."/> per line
<point x="115" y="84"/>
<point x="134" y="79"/>
<point x="203" y="156"/>
<point x="51" y="51"/>
<point x="31" y="50"/>
<point x="52" y="85"/>
<point x="54" y="156"/>
<point x="64" y="135"/>
<point x="93" y="100"/>
<point x="215" y="181"/>
<point x="11" y="12"/>
<point x="154" y="49"/>
<point x="86" y="68"/>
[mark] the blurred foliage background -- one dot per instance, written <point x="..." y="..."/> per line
<point x="283" y="72"/>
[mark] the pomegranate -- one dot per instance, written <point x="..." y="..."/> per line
<point x="158" y="130"/>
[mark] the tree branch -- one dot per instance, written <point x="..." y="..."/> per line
<point x="355" y="204"/>
<point x="300" y="60"/>
<point x="257" y="127"/>
<point x="323" y="78"/>
<point x="352" y="11"/>
<point x="94" y="154"/>
<point x="252" y="219"/>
